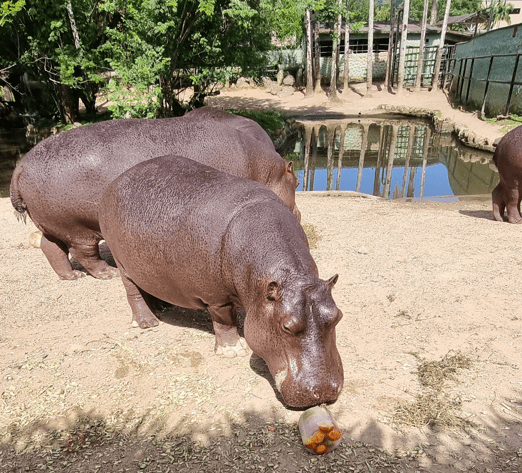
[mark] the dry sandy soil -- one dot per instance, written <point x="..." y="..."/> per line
<point x="431" y="334"/>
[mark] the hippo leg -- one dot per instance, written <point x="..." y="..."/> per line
<point x="228" y="342"/>
<point x="142" y="316"/>
<point x="57" y="254"/>
<point x="511" y="198"/>
<point x="89" y="257"/>
<point x="498" y="203"/>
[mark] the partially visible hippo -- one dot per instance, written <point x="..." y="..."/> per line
<point x="508" y="194"/>
<point x="199" y="238"/>
<point x="61" y="180"/>
<point x="238" y="122"/>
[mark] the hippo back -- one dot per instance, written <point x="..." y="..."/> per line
<point x="61" y="180"/>
<point x="243" y="124"/>
<point x="175" y="212"/>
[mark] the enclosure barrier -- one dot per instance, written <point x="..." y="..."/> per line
<point x="464" y="78"/>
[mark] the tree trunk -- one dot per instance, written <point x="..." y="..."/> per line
<point x="72" y="22"/>
<point x="433" y="16"/>
<point x="309" y="46"/>
<point x="369" y="67"/>
<point x="317" y="60"/>
<point x="67" y="102"/>
<point x="435" y="83"/>
<point x="335" y="55"/>
<point x="388" y="80"/>
<point x="346" y="89"/>
<point x="404" y="39"/>
<point x="420" y="61"/>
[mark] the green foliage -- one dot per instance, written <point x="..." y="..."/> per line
<point x="458" y="7"/>
<point x="286" y="18"/>
<point x="156" y="48"/>
<point x="39" y="50"/>
<point x="382" y="12"/>
<point x="175" y="46"/>
<point x="499" y="11"/>
<point x="270" y="121"/>
<point x="138" y="102"/>
<point x="9" y="9"/>
<point x="507" y="124"/>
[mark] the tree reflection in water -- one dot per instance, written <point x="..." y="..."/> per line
<point x="394" y="158"/>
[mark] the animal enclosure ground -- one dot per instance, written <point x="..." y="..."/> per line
<point x="431" y="298"/>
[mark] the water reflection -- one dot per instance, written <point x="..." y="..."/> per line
<point x="383" y="156"/>
<point x="14" y="143"/>
<point x="389" y="157"/>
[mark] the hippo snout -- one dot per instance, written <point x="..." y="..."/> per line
<point x="309" y="395"/>
<point x="308" y="388"/>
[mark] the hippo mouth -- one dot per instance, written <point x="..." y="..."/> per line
<point x="302" y="394"/>
<point x="279" y="378"/>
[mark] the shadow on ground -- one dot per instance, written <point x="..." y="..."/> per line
<point x="484" y="214"/>
<point x="88" y="442"/>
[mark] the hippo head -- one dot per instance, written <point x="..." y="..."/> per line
<point x="284" y="186"/>
<point x="295" y="334"/>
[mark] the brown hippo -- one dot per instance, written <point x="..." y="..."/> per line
<point x="199" y="238"/>
<point x="508" y="194"/>
<point x="61" y="180"/>
<point x="238" y="122"/>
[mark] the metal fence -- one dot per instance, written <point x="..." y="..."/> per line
<point x="428" y="65"/>
<point x="463" y="78"/>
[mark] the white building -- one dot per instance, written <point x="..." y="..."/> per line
<point x="515" y="15"/>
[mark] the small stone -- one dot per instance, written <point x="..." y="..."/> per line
<point x="35" y="239"/>
<point x="289" y="80"/>
<point x="362" y="250"/>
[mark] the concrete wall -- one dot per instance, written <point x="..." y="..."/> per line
<point x="496" y="44"/>
<point x="296" y="58"/>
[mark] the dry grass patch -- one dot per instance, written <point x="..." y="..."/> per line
<point x="312" y="234"/>
<point x="434" y="406"/>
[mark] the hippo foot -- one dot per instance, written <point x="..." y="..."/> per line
<point x="106" y="273"/>
<point x="515" y="220"/>
<point x="145" y="322"/>
<point x="228" y="351"/>
<point x="72" y="275"/>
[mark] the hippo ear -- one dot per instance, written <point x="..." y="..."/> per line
<point x="331" y="282"/>
<point x="273" y="291"/>
<point x="290" y="167"/>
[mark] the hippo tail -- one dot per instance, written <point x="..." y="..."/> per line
<point x="16" y="197"/>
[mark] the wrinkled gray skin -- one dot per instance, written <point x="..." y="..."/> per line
<point x="508" y="194"/>
<point x="236" y="121"/>
<point x="199" y="238"/>
<point x="61" y="180"/>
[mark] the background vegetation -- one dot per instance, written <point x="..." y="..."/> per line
<point x="145" y="53"/>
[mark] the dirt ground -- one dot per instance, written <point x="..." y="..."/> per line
<point x="431" y="334"/>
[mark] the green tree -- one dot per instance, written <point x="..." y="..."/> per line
<point x="458" y="7"/>
<point x="152" y="48"/>
<point x="499" y="11"/>
<point x="160" y="47"/>
<point x="9" y="9"/>
<point x="48" y="69"/>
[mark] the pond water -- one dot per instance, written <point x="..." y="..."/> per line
<point x="387" y="156"/>
<point x="14" y="143"/>
<point x="390" y="157"/>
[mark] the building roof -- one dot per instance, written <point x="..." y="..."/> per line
<point x="413" y="28"/>
<point x="469" y="19"/>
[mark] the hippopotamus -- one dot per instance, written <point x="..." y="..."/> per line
<point x="238" y="122"/>
<point x="508" y="194"/>
<point x="60" y="181"/>
<point x="198" y="238"/>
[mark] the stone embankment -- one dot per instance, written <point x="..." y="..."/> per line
<point x="445" y="125"/>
